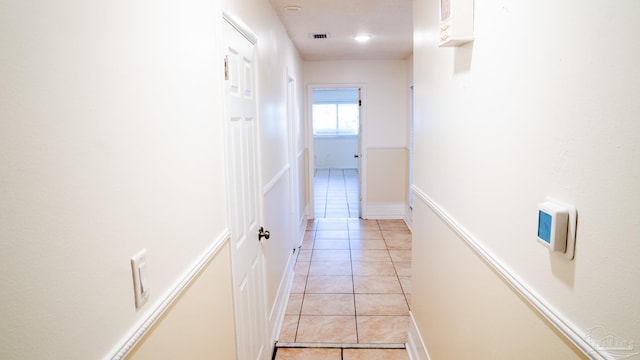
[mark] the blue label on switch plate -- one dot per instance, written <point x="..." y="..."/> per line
<point x="544" y="226"/>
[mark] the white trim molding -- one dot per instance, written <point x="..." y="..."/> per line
<point x="383" y="211"/>
<point x="155" y="314"/>
<point x="415" y="346"/>
<point x="242" y="28"/>
<point x="276" y="179"/>
<point x="276" y="317"/>
<point x="574" y="334"/>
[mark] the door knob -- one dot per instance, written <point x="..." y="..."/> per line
<point x="356" y="156"/>
<point x="262" y="233"/>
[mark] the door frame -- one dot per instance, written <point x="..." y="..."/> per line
<point x="362" y="148"/>
<point x="298" y="215"/>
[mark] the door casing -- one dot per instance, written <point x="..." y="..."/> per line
<point x="362" y="163"/>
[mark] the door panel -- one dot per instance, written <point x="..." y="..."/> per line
<point x="244" y="203"/>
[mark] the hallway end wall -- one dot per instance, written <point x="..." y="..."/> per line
<point x="386" y="107"/>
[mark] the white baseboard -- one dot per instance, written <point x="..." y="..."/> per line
<point x="302" y="227"/>
<point x="276" y="317"/>
<point x="415" y="346"/>
<point x="382" y="211"/>
<point x="408" y="217"/>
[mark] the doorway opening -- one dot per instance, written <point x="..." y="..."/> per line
<point x="336" y="130"/>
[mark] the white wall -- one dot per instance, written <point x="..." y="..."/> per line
<point x="386" y="94"/>
<point x="529" y="111"/>
<point x="335" y="152"/>
<point x="111" y="142"/>
<point x="385" y="121"/>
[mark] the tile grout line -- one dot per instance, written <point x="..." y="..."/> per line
<point x="404" y="294"/>
<point x="353" y="283"/>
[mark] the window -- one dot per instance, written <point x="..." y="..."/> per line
<point x="335" y="112"/>
<point x="335" y="119"/>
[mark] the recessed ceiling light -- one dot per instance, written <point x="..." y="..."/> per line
<point x="292" y="8"/>
<point x="362" y="38"/>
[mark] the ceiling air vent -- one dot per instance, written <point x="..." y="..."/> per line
<point x="319" y="36"/>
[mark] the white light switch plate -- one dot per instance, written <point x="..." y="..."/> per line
<point x="140" y="277"/>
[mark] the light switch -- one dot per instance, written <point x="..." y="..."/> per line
<point x="144" y="278"/>
<point x="139" y="270"/>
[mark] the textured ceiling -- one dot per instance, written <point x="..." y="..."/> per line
<point x="388" y="21"/>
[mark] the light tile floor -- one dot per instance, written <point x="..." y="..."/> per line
<point x="338" y="354"/>
<point x="336" y="193"/>
<point x="352" y="281"/>
<point x="351" y="285"/>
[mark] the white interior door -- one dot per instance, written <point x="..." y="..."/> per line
<point x="244" y="201"/>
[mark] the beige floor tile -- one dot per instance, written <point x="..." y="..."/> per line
<point x="405" y="281"/>
<point x="370" y="255"/>
<point x="331" y="255"/>
<point x="368" y="244"/>
<point x="403" y="268"/>
<point x="398" y="244"/>
<point x="329" y="285"/>
<point x="304" y="255"/>
<point x="311" y="224"/>
<point x="332" y="225"/>
<point x="400" y="255"/>
<point x="302" y="267"/>
<point x="380" y="304"/>
<point x="309" y="235"/>
<point x="289" y="328"/>
<point x="321" y="244"/>
<point x="394" y="225"/>
<point x="396" y="235"/>
<point x="377" y="285"/>
<point x="341" y="329"/>
<point x="322" y="268"/>
<point x="294" y="304"/>
<point x="383" y="329"/>
<point x="308" y="354"/>
<point x="337" y="209"/>
<point x="366" y="235"/>
<point x="360" y="224"/>
<point x="328" y="304"/>
<point x="307" y="244"/>
<point x="373" y="268"/>
<point x="299" y="283"/>
<point x="332" y="235"/>
<point x="375" y="354"/>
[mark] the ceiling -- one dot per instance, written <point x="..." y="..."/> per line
<point x="389" y="22"/>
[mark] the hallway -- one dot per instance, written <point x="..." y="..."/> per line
<point x="336" y="193"/>
<point x="352" y="287"/>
